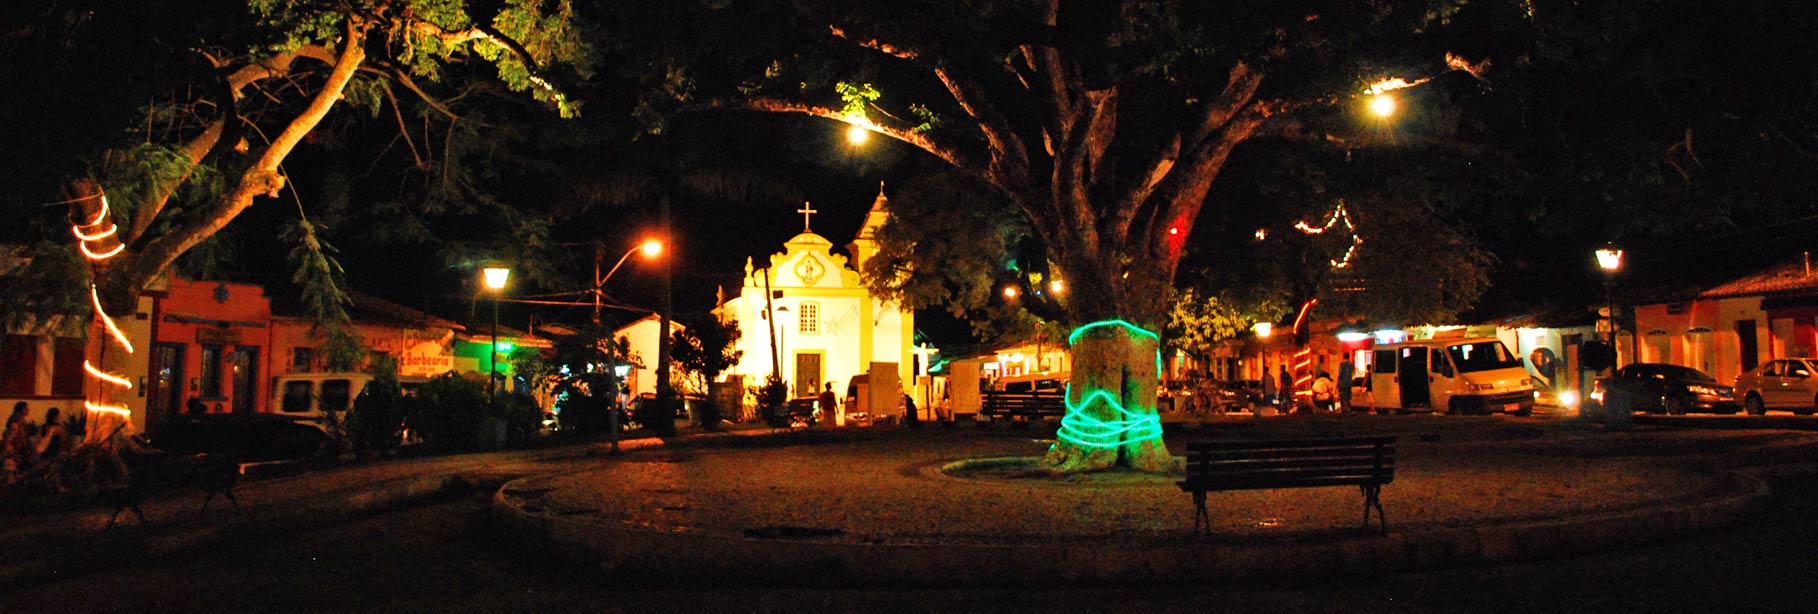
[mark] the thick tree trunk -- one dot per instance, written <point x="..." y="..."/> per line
<point x="1111" y="398"/>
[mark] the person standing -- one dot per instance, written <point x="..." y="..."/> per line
<point x="1347" y="373"/>
<point x="1284" y="386"/>
<point x="53" y="441"/>
<point x="1268" y="387"/>
<point x="16" y="446"/>
<point x="829" y="403"/>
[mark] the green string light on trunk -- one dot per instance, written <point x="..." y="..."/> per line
<point x="1086" y="431"/>
<point x="1133" y="424"/>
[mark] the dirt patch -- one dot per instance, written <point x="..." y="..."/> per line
<point x="1032" y="470"/>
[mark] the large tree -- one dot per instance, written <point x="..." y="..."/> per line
<point x="1105" y="123"/>
<point x="266" y="74"/>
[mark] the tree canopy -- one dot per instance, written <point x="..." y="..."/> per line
<point x="1103" y="123"/>
<point x="244" y="85"/>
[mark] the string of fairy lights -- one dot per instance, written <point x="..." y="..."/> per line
<point x="92" y="237"/>
<point x="1338" y="216"/>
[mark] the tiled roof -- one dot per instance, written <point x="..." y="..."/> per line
<point x="1794" y="277"/>
<point x="371" y="309"/>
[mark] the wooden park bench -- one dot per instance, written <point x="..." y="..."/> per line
<point x="1033" y="405"/>
<point x="1366" y="462"/>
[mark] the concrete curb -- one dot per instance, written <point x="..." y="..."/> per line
<point x="111" y="550"/>
<point x="687" y="556"/>
<point x="1734" y="421"/>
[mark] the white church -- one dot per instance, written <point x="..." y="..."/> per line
<point x="806" y="316"/>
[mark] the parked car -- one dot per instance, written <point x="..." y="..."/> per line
<point x="1655" y="388"/>
<point x="684" y="412"/>
<point x="1244" y="395"/>
<point x="1780" y="384"/>
<point x="248" y="438"/>
<point x="317" y="398"/>
<point x="1546" y="396"/>
<point x="1175" y="396"/>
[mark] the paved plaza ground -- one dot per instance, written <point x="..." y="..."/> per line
<point x="878" y="501"/>
<point x="875" y="505"/>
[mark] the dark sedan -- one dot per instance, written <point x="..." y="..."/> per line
<point x="246" y="438"/>
<point x="1655" y="388"/>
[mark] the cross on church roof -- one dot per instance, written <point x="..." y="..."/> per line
<point x="806" y="210"/>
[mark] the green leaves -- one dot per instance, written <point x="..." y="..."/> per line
<point x="856" y="97"/>
<point x="1199" y="323"/>
<point x="324" y="299"/>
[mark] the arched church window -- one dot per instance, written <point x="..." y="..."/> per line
<point x="810" y="318"/>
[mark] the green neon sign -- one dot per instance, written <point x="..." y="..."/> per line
<point x="1133" y="424"/>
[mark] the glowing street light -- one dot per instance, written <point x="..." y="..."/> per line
<point x="857" y="135"/>
<point x="1010" y="292"/>
<point x="651" y="249"/>
<point x="495" y="281"/>
<point x="495" y="277"/>
<point x="1383" y="105"/>
<point x="1263" y="329"/>
<point x="1609" y="259"/>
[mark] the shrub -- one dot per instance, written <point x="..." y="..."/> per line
<point x="585" y="414"/>
<point x="448" y="412"/>
<point x="377" y="420"/>
<point x="771" y="400"/>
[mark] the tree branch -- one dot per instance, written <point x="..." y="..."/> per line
<point x="947" y="152"/>
<point x="1009" y="155"/>
<point x="1178" y="198"/>
<point x="263" y="176"/>
<point x="199" y="148"/>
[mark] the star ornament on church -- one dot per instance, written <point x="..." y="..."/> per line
<point x="1338" y="216"/>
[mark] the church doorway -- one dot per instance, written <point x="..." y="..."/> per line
<point x="807" y="374"/>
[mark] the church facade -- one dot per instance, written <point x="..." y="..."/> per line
<point x="806" y="317"/>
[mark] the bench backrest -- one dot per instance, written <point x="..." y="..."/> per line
<point x="1290" y="463"/>
<point x="997" y="401"/>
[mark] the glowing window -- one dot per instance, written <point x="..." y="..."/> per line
<point x="811" y="318"/>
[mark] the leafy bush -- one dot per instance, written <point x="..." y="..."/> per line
<point x="377" y="420"/>
<point x="448" y="412"/>
<point x="771" y="400"/>
<point x="585" y="414"/>
<point x="522" y="418"/>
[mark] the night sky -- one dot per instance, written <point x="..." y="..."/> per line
<point x="1682" y="130"/>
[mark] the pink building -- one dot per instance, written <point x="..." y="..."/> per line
<point x="1734" y="326"/>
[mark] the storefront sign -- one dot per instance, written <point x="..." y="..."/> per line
<point x="217" y="336"/>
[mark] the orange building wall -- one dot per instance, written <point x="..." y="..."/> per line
<point x="194" y="314"/>
<point x="419" y="352"/>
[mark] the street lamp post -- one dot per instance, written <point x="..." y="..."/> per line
<point x="1610" y="260"/>
<point x="651" y="248"/>
<point x="495" y="281"/>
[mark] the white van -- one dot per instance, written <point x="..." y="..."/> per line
<point x="312" y="397"/>
<point x="1463" y="376"/>
<point x="1032" y="382"/>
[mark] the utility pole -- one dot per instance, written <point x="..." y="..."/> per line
<point x="599" y="255"/>
<point x="665" y="396"/>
